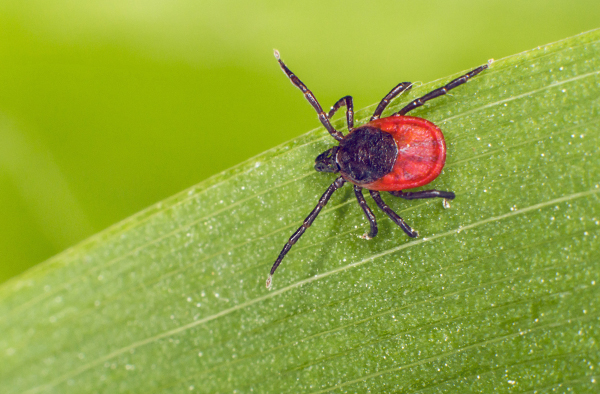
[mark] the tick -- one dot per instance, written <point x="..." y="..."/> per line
<point x="388" y="154"/>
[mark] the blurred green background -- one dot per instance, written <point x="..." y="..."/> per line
<point x="109" y="106"/>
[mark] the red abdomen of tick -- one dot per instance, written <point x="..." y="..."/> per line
<point x="421" y="153"/>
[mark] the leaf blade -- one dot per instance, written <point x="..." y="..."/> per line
<point x="500" y="286"/>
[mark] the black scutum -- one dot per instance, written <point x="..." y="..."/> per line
<point x="366" y="155"/>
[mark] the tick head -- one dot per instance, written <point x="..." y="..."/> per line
<point x="326" y="161"/>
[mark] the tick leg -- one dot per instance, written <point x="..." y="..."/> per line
<point x="368" y="213"/>
<point x="310" y="97"/>
<point x="441" y="91"/>
<point x="402" y="87"/>
<point x="393" y="215"/>
<point x="307" y="222"/>
<point x="423" y="194"/>
<point x="347" y="101"/>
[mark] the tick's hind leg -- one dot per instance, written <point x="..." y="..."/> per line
<point x="423" y="194"/>
<point x="347" y="101"/>
<point x="368" y="213"/>
<point x="393" y="215"/>
<point x="401" y="87"/>
<point x="441" y="91"/>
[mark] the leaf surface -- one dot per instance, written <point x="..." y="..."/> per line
<point x="499" y="292"/>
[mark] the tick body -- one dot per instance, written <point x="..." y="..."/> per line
<point x="393" y="153"/>
<point x="388" y="154"/>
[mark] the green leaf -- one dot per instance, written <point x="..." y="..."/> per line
<point x="500" y="292"/>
